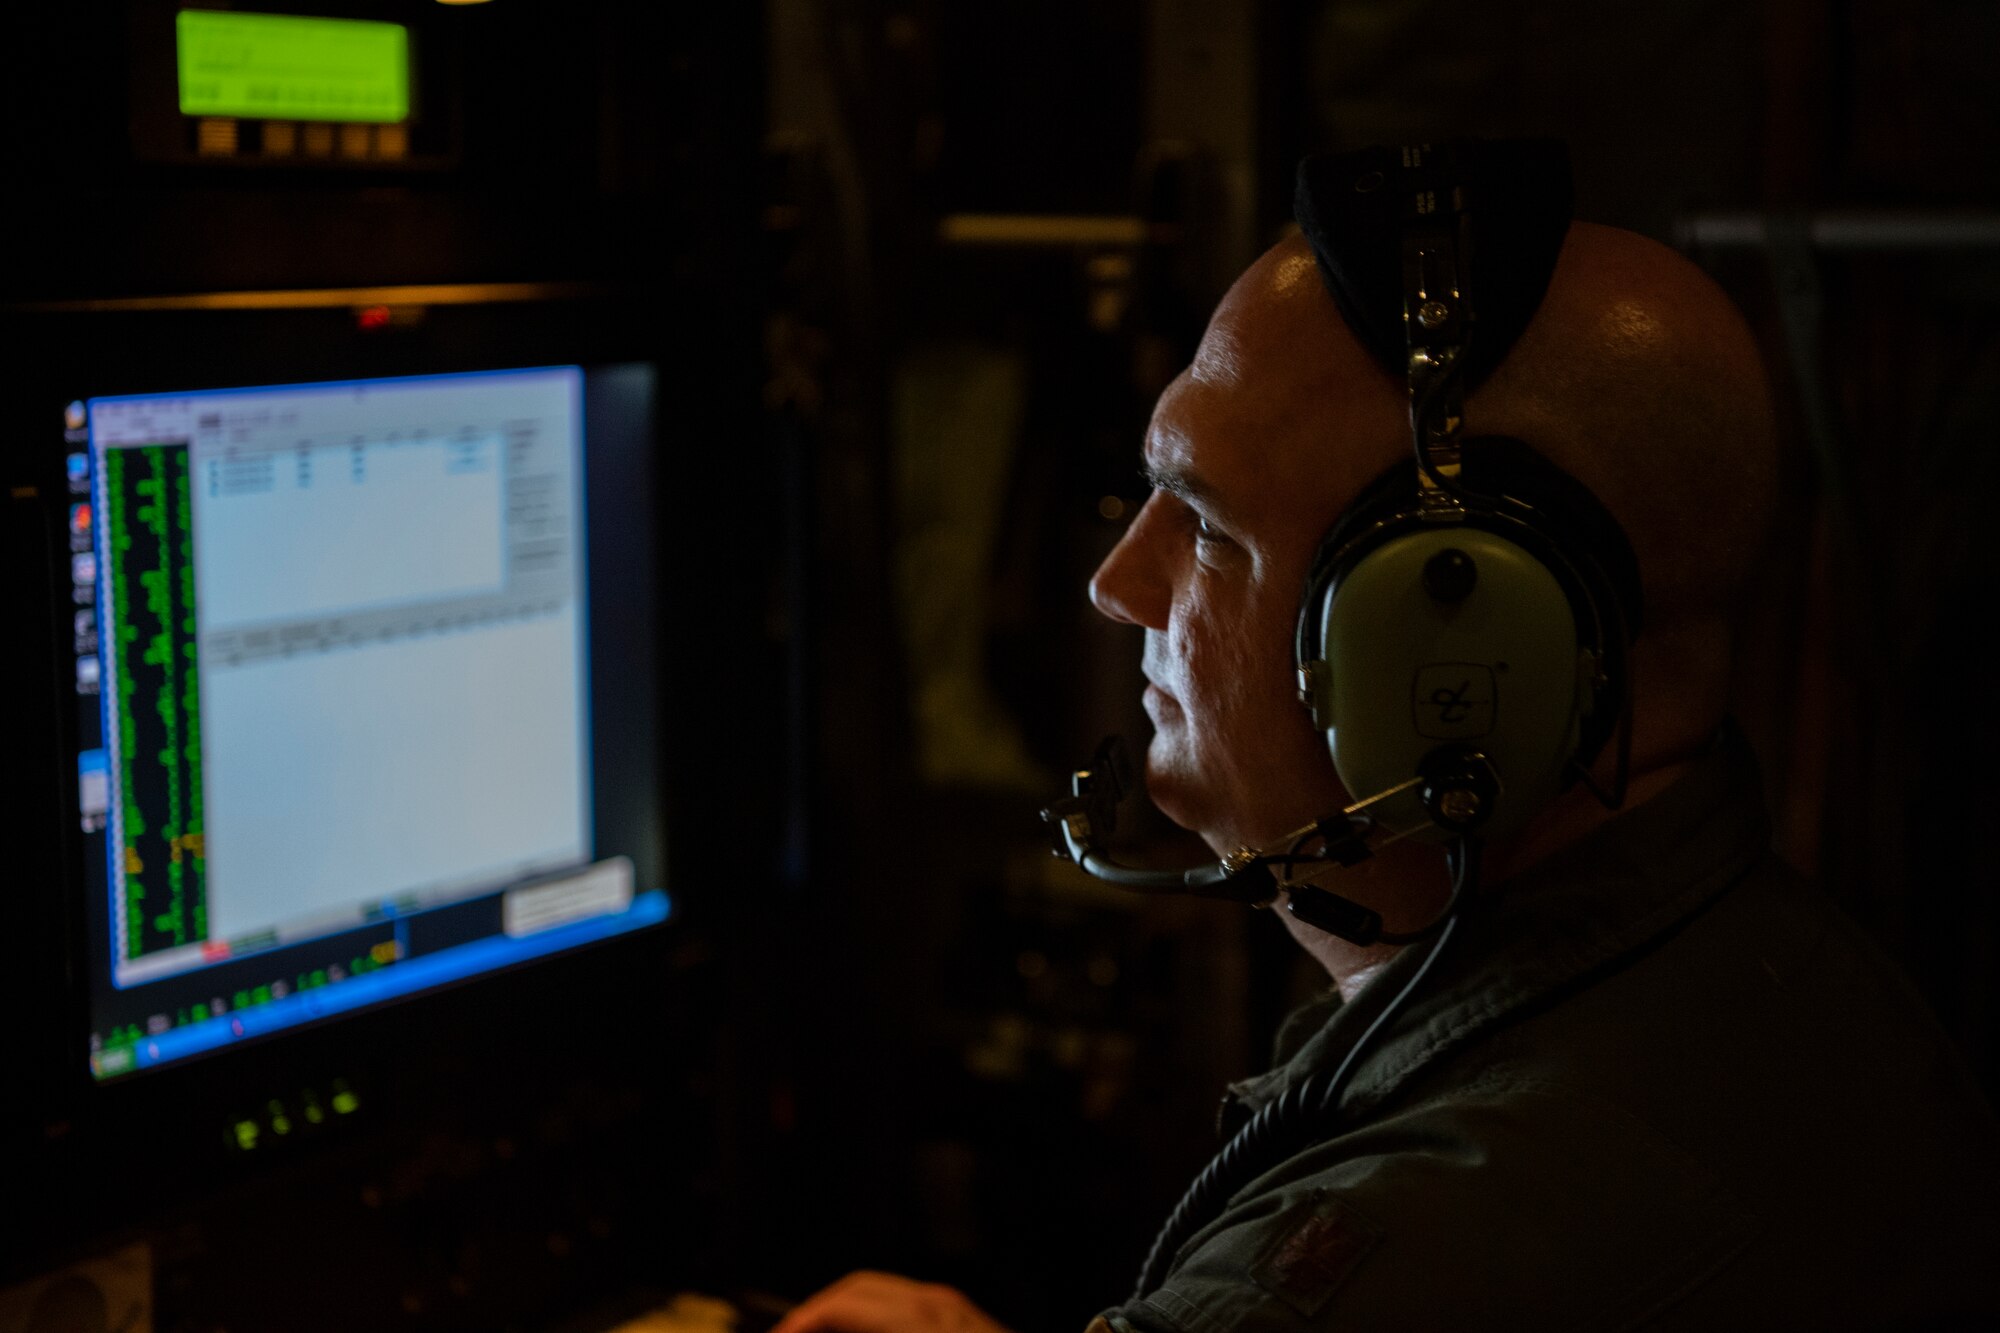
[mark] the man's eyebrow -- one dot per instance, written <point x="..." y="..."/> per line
<point x="1185" y="485"/>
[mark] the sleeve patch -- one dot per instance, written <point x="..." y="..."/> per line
<point x="1321" y="1241"/>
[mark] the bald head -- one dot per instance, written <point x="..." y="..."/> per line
<point x="1637" y="376"/>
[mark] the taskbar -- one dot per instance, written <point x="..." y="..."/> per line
<point x="406" y="977"/>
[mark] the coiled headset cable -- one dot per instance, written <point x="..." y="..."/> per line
<point x="1304" y="1113"/>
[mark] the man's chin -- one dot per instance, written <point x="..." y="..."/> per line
<point x="1179" y="794"/>
<point x="1224" y="819"/>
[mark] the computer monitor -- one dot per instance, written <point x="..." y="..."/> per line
<point x="363" y="699"/>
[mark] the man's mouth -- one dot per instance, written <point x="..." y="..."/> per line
<point x="1160" y="704"/>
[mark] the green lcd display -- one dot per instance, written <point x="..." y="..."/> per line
<point x="286" y="67"/>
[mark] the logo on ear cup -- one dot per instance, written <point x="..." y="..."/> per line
<point x="1453" y="701"/>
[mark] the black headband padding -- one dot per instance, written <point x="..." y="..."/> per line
<point x="1353" y="208"/>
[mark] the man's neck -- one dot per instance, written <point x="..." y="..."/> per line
<point x="1409" y="885"/>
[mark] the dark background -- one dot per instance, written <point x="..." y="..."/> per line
<point x="890" y="1031"/>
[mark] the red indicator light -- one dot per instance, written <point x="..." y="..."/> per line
<point x="372" y="316"/>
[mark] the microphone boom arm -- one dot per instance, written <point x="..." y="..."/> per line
<point x="1090" y="812"/>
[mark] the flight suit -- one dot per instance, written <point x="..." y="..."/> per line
<point x="1657" y="1080"/>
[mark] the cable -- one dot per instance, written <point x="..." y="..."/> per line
<point x="1297" y="1118"/>
<point x="1463" y="858"/>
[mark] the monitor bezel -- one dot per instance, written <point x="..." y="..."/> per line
<point x="398" y="1056"/>
<point x="616" y="400"/>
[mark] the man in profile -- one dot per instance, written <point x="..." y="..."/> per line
<point x="1657" y="1081"/>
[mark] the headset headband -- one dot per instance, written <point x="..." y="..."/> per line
<point x="1357" y="209"/>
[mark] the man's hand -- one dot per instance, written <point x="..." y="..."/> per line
<point x="885" y="1303"/>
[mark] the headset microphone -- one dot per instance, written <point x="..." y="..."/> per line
<point x="1455" y="787"/>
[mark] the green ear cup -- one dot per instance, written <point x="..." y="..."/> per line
<point x="1484" y="657"/>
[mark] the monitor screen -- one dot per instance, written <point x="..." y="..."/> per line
<point x="338" y="737"/>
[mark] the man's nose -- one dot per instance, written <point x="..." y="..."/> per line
<point x="1131" y="586"/>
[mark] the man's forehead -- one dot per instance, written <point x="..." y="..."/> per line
<point x="1264" y="318"/>
<point x="1226" y="425"/>
<point x="1218" y="361"/>
<point x="1279" y="395"/>
<point x="1173" y="461"/>
<point x="1200" y="448"/>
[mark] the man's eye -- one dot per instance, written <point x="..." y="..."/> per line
<point x="1207" y="532"/>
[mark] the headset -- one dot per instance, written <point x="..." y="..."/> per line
<point x="1464" y="634"/>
